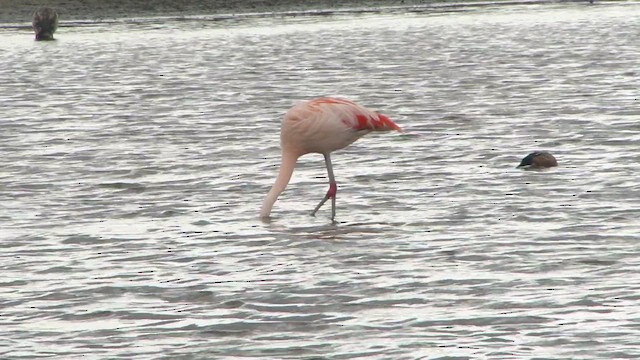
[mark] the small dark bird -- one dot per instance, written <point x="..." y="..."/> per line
<point x="538" y="160"/>
<point x="45" y="23"/>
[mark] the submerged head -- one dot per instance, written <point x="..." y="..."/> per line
<point x="45" y="23"/>
<point x="538" y="160"/>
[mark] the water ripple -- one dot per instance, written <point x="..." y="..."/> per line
<point x="135" y="164"/>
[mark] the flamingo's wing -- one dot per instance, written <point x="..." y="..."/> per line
<point x="353" y="115"/>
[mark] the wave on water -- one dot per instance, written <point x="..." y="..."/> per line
<point x="419" y="8"/>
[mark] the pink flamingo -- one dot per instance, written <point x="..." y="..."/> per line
<point x="321" y="126"/>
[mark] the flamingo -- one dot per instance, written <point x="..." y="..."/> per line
<point x="321" y="125"/>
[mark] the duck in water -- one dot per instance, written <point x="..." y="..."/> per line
<point x="45" y="23"/>
<point x="538" y="160"/>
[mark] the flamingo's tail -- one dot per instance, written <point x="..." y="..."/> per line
<point x="387" y="124"/>
<point x="376" y="122"/>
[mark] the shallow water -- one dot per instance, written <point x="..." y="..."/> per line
<point x="136" y="156"/>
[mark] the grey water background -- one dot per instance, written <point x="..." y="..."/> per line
<point x="135" y="157"/>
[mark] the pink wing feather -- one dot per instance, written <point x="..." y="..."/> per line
<point x="355" y="116"/>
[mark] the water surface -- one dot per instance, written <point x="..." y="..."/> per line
<point x="136" y="156"/>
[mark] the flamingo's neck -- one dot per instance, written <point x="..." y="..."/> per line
<point x="286" y="170"/>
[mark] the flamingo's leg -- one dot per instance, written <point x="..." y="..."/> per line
<point x="333" y="189"/>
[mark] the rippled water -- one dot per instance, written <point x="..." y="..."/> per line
<point x="135" y="158"/>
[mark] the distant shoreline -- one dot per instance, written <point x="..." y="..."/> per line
<point x="21" y="11"/>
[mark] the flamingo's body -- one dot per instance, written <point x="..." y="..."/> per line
<point x="45" y="23"/>
<point x="321" y="125"/>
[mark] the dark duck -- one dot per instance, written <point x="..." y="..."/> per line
<point x="538" y="160"/>
<point x="45" y="23"/>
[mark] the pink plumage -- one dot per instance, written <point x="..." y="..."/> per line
<point x="321" y="125"/>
